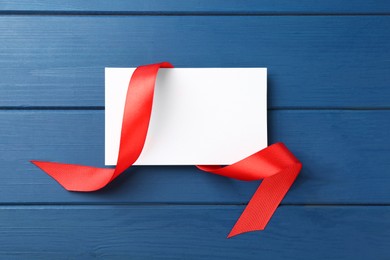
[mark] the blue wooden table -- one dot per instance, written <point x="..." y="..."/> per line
<point x="329" y="101"/>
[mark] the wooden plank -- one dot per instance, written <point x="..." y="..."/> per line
<point x="194" y="6"/>
<point x="346" y="157"/>
<point x="313" y="61"/>
<point x="192" y="232"/>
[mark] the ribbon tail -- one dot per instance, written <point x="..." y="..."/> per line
<point x="76" y="177"/>
<point x="136" y="116"/>
<point x="266" y="199"/>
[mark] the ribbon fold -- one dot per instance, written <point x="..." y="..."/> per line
<point x="276" y="165"/>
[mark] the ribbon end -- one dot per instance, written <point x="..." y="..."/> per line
<point x="232" y="234"/>
<point x="39" y="164"/>
<point x="76" y="177"/>
<point x="236" y="232"/>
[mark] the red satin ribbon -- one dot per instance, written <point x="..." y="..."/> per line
<point x="276" y="165"/>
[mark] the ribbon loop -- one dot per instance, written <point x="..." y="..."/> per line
<point x="272" y="160"/>
<point x="276" y="165"/>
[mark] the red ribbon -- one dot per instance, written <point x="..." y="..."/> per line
<point x="276" y="165"/>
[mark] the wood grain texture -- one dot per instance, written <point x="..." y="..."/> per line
<point x="329" y="92"/>
<point x="192" y="232"/>
<point x="345" y="156"/>
<point x="313" y="61"/>
<point x="194" y="6"/>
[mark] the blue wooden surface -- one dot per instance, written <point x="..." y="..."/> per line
<point x="329" y="101"/>
<point x="313" y="61"/>
<point x="334" y="146"/>
<point x="191" y="232"/>
<point x="194" y="6"/>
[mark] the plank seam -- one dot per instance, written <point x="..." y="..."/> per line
<point x="182" y="13"/>
<point x="54" y="108"/>
<point x="146" y="204"/>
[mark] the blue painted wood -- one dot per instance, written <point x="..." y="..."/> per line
<point x="346" y="158"/>
<point x="333" y="54"/>
<point x="313" y="61"/>
<point x="194" y="6"/>
<point x="192" y="232"/>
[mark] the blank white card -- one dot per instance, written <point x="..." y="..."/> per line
<point x="200" y="116"/>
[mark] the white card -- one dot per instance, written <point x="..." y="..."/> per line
<point x="200" y="116"/>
